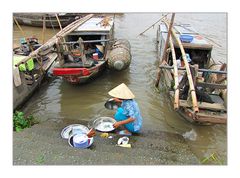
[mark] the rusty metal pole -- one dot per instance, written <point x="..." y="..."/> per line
<point x="165" y="49"/>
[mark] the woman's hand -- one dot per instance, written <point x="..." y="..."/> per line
<point x="91" y="133"/>
<point x="116" y="125"/>
<point x="117" y="100"/>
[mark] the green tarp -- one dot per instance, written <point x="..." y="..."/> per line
<point x="29" y="64"/>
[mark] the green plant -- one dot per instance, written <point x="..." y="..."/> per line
<point x="40" y="159"/>
<point x="212" y="158"/>
<point x="20" y="121"/>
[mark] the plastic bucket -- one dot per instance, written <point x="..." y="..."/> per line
<point x="186" y="38"/>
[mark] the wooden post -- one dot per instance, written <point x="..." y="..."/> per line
<point x="18" y="26"/>
<point x="175" y="68"/>
<point x="165" y="49"/>
<point x="82" y="50"/>
<point x="196" y="67"/>
<point x="168" y="36"/>
<point x="60" y="57"/>
<point x="176" y="94"/>
<point x="59" y="23"/>
<point x="189" y="75"/>
<point x="44" y="29"/>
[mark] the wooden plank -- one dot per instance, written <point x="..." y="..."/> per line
<point x="165" y="49"/>
<point x="52" y="57"/>
<point x="176" y="94"/>
<point x="211" y="85"/>
<point x="16" y="77"/>
<point x="204" y="105"/>
<point x="200" y="70"/>
<point x="88" y="41"/>
<point x="214" y="119"/>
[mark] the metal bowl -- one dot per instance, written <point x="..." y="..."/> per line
<point x="82" y="146"/>
<point x="104" y="124"/>
<point x="111" y="104"/>
<point x="73" y="129"/>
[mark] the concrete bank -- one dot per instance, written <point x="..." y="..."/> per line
<point x="42" y="145"/>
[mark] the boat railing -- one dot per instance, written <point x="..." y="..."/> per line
<point x="87" y="41"/>
<point x="200" y="70"/>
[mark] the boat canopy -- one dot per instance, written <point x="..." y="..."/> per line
<point x="198" y="41"/>
<point x="95" y="24"/>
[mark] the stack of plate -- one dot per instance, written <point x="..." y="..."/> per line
<point x="76" y="135"/>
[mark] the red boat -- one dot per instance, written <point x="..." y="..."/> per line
<point x="87" y="50"/>
<point x="84" y="50"/>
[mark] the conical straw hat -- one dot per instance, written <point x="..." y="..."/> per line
<point x="122" y="92"/>
<point x="100" y="47"/>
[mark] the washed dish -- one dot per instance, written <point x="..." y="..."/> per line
<point x="79" y="141"/>
<point x="73" y="129"/>
<point x="104" y="124"/>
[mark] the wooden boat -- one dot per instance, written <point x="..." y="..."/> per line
<point x="208" y="77"/>
<point x="29" y="69"/>
<point x="28" y="76"/>
<point x="83" y="53"/>
<point x="36" y="19"/>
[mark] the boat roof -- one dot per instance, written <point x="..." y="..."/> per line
<point x="186" y="29"/>
<point x="96" y="24"/>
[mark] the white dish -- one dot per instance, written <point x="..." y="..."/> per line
<point x="70" y="142"/>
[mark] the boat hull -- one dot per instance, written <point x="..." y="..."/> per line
<point x="37" y="20"/>
<point x="203" y="117"/>
<point x="79" y="75"/>
<point x="28" y="85"/>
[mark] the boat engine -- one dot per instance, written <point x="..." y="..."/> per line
<point x="120" y="55"/>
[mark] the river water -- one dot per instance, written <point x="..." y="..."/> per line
<point x="60" y="101"/>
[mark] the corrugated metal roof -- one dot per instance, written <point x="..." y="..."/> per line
<point x="94" y="24"/>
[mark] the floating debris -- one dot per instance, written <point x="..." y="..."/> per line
<point x="191" y="135"/>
